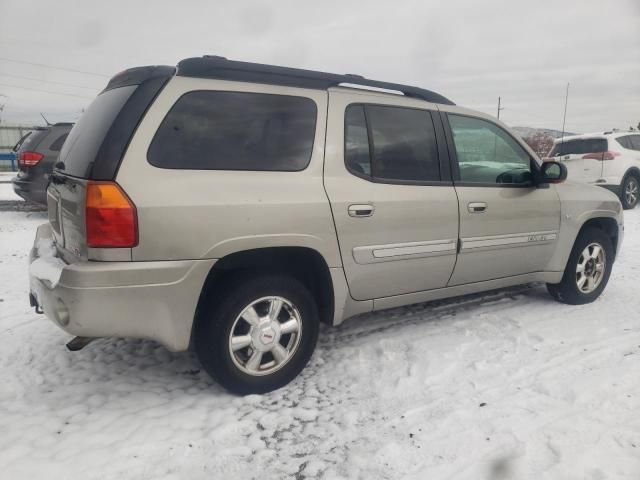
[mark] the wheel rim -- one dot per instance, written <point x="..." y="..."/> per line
<point x="265" y="335"/>
<point x="590" y="268"/>
<point x="631" y="191"/>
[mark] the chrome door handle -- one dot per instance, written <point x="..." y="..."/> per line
<point x="477" y="207"/>
<point x="360" y="210"/>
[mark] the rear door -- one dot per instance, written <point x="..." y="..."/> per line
<point x="388" y="182"/>
<point x="567" y="153"/>
<point x="508" y="227"/>
<point x="78" y="157"/>
<point x="592" y="151"/>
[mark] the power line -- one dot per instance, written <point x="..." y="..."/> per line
<point x="45" y="91"/>
<point x="95" y="89"/>
<point x="54" y="67"/>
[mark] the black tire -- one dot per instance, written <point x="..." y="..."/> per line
<point x="213" y="330"/>
<point x="629" y="181"/>
<point x="567" y="290"/>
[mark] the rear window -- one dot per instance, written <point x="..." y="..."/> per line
<point x="579" y="147"/>
<point x="84" y="140"/>
<point x="31" y="140"/>
<point x="213" y="130"/>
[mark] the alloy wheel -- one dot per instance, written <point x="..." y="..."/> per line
<point x="590" y="268"/>
<point x="265" y="335"/>
<point x="631" y="191"/>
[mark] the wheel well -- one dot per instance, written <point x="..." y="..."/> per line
<point x="608" y="225"/>
<point x="305" y="264"/>
<point x="632" y="172"/>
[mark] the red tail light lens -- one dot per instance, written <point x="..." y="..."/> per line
<point x="29" y="159"/>
<point x="110" y="217"/>
<point x="601" y="156"/>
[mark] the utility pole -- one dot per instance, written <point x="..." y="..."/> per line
<point x="2" y="105"/>
<point x="499" y="108"/>
<point x="564" y="118"/>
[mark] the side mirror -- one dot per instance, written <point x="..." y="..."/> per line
<point x="553" y="172"/>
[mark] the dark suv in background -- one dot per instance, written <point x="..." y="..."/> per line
<point x="37" y="153"/>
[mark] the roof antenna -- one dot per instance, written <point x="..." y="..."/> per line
<point x="45" y="119"/>
<point x="564" y="118"/>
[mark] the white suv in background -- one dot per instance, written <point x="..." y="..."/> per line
<point x="610" y="160"/>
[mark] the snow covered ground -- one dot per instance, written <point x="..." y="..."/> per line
<point x="504" y="385"/>
<point x="6" y="189"/>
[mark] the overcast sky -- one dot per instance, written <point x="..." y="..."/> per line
<point x="470" y="51"/>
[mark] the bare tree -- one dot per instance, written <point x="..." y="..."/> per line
<point x="540" y="142"/>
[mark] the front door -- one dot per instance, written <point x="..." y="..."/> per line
<point x="388" y="182"/>
<point x="508" y="226"/>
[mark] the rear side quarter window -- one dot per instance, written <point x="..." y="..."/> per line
<point x="631" y="142"/>
<point x="56" y="146"/>
<point x="217" y="130"/>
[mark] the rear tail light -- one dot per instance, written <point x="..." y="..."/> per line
<point x="29" y="159"/>
<point x="601" y="156"/>
<point x="110" y="216"/>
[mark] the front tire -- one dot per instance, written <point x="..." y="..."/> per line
<point x="259" y="334"/>
<point x="630" y="192"/>
<point x="588" y="269"/>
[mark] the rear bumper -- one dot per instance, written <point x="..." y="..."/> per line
<point x="155" y="300"/>
<point x="30" y="190"/>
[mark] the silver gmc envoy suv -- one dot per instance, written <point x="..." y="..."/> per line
<point x="231" y="207"/>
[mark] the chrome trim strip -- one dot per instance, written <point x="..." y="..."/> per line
<point x="510" y="240"/>
<point x="401" y="251"/>
<point x="413" y="249"/>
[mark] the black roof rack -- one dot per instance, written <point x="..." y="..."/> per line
<point x="223" y="69"/>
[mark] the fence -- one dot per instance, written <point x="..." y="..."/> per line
<point x="8" y="161"/>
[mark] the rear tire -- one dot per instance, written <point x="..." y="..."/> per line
<point x="630" y="192"/>
<point x="246" y="345"/>
<point x="587" y="271"/>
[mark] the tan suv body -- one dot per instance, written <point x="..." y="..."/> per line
<point x="260" y="200"/>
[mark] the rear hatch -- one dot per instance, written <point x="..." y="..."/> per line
<point x="93" y="151"/>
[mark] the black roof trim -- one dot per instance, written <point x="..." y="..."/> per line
<point x="137" y="75"/>
<point x="63" y="124"/>
<point x="223" y="69"/>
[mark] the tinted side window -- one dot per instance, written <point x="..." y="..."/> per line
<point x="488" y="154"/>
<point x="580" y="147"/>
<point x="58" y="142"/>
<point x="212" y="130"/>
<point x="356" y="145"/>
<point x="404" y="144"/>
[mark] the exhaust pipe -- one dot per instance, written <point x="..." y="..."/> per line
<point x="78" y="343"/>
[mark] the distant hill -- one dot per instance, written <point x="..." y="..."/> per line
<point x="530" y="131"/>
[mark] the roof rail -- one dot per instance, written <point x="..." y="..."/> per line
<point x="221" y="68"/>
